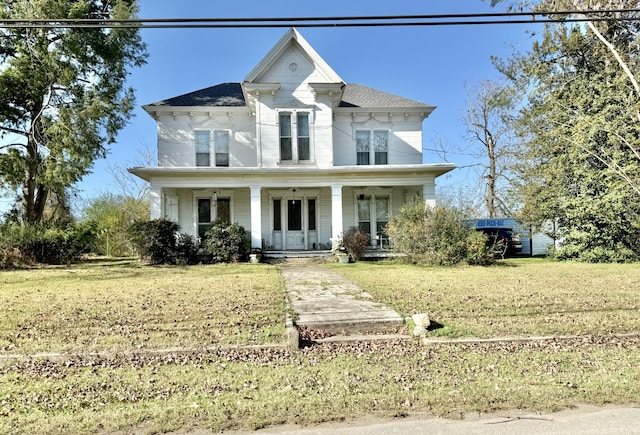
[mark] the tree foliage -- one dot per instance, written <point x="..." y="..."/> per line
<point x="63" y="97"/>
<point x="112" y="215"/>
<point x="582" y="135"/>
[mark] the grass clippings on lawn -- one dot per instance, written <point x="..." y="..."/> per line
<point x="516" y="297"/>
<point x="122" y="306"/>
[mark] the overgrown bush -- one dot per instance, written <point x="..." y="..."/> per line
<point x="436" y="236"/>
<point x="186" y="250"/>
<point x="226" y="243"/>
<point x="159" y="241"/>
<point x="47" y="243"/>
<point x="355" y="241"/>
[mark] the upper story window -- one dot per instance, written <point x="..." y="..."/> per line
<point x="203" y="153"/>
<point x="220" y="147"/>
<point x="372" y="147"/>
<point x="295" y="136"/>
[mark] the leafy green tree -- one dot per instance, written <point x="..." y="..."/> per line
<point x="582" y="135"/>
<point x="62" y="94"/>
<point x="112" y="215"/>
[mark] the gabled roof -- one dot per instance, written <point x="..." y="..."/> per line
<point x="293" y="36"/>
<point x="365" y="97"/>
<point x="222" y="95"/>
<point x="230" y="95"/>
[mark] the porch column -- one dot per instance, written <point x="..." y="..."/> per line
<point x="256" y="218"/>
<point x="155" y="201"/>
<point x="336" y="211"/>
<point x="429" y="194"/>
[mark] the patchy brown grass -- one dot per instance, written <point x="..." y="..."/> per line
<point x="122" y="306"/>
<point x="515" y="297"/>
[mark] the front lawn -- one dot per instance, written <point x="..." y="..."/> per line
<point x="525" y="296"/>
<point x="122" y="306"/>
<point x="126" y="309"/>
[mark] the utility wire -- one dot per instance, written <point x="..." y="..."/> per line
<point x="353" y="21"/>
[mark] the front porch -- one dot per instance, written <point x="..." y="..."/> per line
<point x="292" y="208"/>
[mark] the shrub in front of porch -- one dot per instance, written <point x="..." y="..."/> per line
<point x="436" y="235"/>
<point x="355" y="241"/>
<point x="159" y="241"/>
<point x="226" y="242"/>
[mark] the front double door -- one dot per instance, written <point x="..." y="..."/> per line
<point x="294" y="223"/>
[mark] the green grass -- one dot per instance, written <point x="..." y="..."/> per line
<point x="127" y="309"/>
<point x="530" y="297"/>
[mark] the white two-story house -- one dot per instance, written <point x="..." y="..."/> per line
<point x="292" y="153"/>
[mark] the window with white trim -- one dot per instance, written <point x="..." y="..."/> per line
<point x="204" y="216"/>
<point x="373" y="215"/>
<point x="203" y="152"/>
<point x="220" y="147"/>
<point x="295" y="136"/>
<point x="372" y="147"/>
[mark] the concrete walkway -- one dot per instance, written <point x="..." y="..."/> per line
<point x="323" y="300"/>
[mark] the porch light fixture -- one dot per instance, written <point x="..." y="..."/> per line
<point x="361" y="197"/>
<point x="294" y="197"/>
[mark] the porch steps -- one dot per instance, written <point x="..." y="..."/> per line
<point x="369" y="254"/>
<point x="273" y="254"/>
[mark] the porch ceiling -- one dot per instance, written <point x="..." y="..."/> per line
<point x="379" y="175"/>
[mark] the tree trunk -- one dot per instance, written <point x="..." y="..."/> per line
<point x="34" y="194"/>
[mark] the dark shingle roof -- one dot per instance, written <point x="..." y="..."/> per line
<point x="230" y="95"/>
<point x="363" y="96"/>
<point x="223" y="95"/>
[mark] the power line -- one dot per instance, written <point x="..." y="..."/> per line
<point x="353" y="21"/>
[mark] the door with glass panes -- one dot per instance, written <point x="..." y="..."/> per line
<point x="294" y="224"/>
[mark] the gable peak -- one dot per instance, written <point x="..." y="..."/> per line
<point x="292" y="36"/>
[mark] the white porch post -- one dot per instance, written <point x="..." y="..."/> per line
<point x="336" y="211"/>
<point x="429" y="194"/>
<point x="155" y="200"/>
<point x="256" y="218"/>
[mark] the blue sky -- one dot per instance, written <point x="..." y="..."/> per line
<point x="427" y="64"/>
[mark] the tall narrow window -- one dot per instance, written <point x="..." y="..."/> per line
<point x="311" y="210"/>
<point x="364" y="214"/>
<point x="202" y="148"/>
<point x="286" y="152"/>
<point x="304" y="152"/>
<point x="277" y="215"/>
<point x="221" y="146"/>
<point x="362" y="147"/>
<point x="382" y="215"/>
<point x="223" y="209"/>
<point x="381" y="147"/>
<point x="204" y="216"/>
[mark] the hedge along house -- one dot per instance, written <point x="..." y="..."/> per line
<point x="293" y="154"/>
